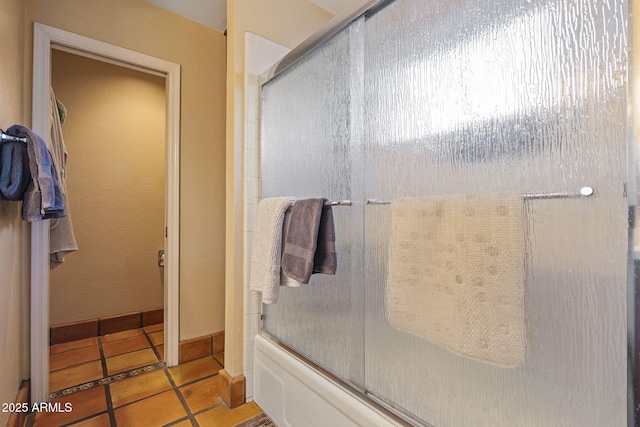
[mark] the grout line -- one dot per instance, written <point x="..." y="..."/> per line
<point x="152" y="345"/>
<point x="103" y="359"/>
<point x="112" y="413"/>
<point x="123" y="338"/>
<point x="97" y="414"/>
<point x="181" y="420"/>
<point x="71" y="349"/>
<point x="177" y="391"/>
<point x="218" y="360"/>
<point x="208" y="408"/>
<point x="144" y="398"/>
<point x="197" y="380"/>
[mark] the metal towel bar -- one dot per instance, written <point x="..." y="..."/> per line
<point x="584" y="192"/>
<point x="377" y="202"/>
<point x="337" y="203"/>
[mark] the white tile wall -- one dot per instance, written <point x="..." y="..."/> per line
<point x="260" y="55"/>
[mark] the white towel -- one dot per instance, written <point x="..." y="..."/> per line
<point x="456" y="274"/>
<point x="267" y="246"/>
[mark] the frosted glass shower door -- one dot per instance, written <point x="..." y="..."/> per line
<point x="487" y="303"/>
<point x="310" y="147"/>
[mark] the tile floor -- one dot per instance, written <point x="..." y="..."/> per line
<point x="116" y="391"/>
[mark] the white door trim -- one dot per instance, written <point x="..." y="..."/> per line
<point x="46" y="38"/>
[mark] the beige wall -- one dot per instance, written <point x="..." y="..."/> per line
<point x="12" y="281"/>
<point x="115" y="138"/>
<point x="286" y="22"/>
<point x="143" y="27"/>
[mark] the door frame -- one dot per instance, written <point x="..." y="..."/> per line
<point x="46" y="38"/>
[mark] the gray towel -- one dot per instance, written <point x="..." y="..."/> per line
<point x="14" y="170"/>
<point x="301" y="238"/>
<point x="325" y="260"/>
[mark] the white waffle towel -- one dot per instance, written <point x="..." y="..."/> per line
<point x="267" y="246"/>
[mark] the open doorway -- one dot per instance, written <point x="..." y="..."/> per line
<point x="114" y="130"/>
<point x="46" y="40"/>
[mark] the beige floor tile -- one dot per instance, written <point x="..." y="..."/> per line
<point x="79" y="374"/>
<point x="154" y="411"/>
<point x="74" y="357"/>
<point x="121" y="335"/>
<point x="154" y="328"/>
<point x="83" y="404"/>
<point x="128" y="361"/>
<point x="60" y="348"/>
<point x="138" y="387"/>
<point x="195" y="370"/>
<point x="202" y="394"/>
<point x="157" y="337"/>
<point x="127" y="345"/>
<point x="99" y="421"/>
<point x="145" y="400"/>
<point x="221" y="416"/>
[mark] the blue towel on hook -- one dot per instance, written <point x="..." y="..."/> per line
<point x="14" y="170"/>
<point x="43" y="198"/>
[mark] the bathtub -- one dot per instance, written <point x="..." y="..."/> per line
<point x="295" y="395"/>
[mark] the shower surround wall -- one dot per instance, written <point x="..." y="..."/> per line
<point x="480" y="98"/>
<point x="261" y="54"/>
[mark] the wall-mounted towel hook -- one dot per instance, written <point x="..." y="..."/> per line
<point x="6" y="137"/>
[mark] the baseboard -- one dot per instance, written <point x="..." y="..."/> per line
<point x="232" y="391"/>
<point x="191" y="349"/>
<point x="208" y="345"/>
<point x="106" y="325"/>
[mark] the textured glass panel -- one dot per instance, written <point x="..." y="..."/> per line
<point x="309" y="144"/>
<point x="497" y="99"/>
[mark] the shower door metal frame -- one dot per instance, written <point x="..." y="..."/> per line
<point x="331" y="28"/>
<point x="633" y="184"/>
